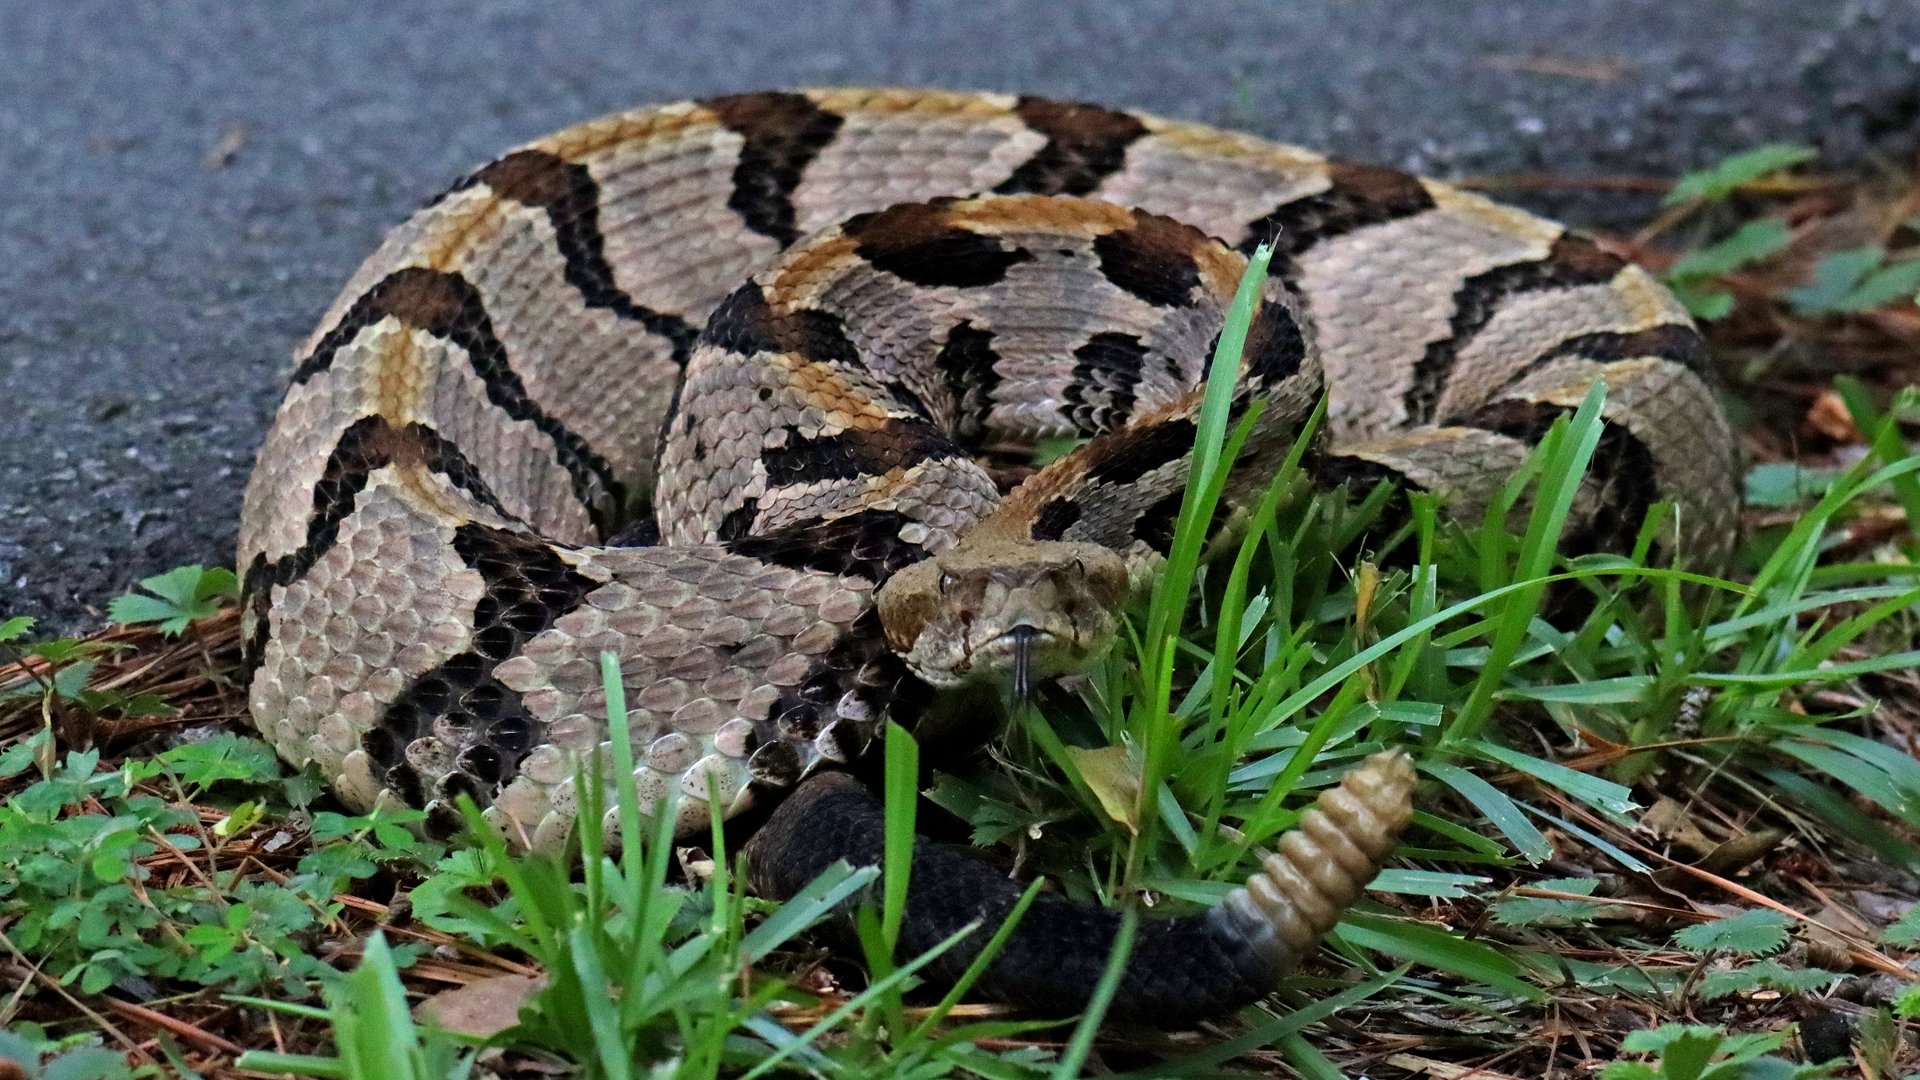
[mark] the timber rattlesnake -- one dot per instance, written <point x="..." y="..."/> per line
<point x="453" y="514"/>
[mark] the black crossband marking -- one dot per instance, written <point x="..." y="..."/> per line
<point x="1572" y="261"/>
<point x="1085" y="145"/>
<point x="784" y="133"/>
<point x="570" y="197"/>
<point x="1356" y="197"/>
<point x="448" y="307"/>
<point x="368" y="444"/>
<point x="528" y="588"/>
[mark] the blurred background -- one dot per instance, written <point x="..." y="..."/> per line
<point x="187" y="184"/>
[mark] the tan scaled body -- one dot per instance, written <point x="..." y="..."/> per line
<point x="796" y="329"/>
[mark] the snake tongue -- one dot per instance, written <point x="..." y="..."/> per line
<point x="1023" y="638"/>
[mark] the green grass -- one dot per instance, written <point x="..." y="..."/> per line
<point x="646" y="980"/>
<point x="1199" y="741"/>
<point x="1410" y="666"/>
<point x="1247" y="684"/>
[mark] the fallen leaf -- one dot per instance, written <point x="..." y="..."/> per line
<point x="1668" y="819"/>
<point x="1829" y="417"/>
<point x="1365" y="585"/>
<point x="1825" y="946"/>
<point x="1114" y="780"/>
<point x="482" y="1008"/>
<point x="1740" y="852"/>
<point x="1444" y="1070"/>
<point x="1664" y="816"/>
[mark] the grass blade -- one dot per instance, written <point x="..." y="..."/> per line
<point x="1078" y="1046"/>
<point x="1437" y="949"/>
<point x="1604" y="794"/>
<point x="615" y="1058"/>
<point x="807" y="906"/>
<point x="875" y="992"/>
<point x="1567" y="449"/>
<point x="902" y="784"/>
<point x="1505" y="815"/>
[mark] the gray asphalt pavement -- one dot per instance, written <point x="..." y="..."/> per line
<point x="187" y="183"/>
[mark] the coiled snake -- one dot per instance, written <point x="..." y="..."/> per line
<point x="698" y="383"/>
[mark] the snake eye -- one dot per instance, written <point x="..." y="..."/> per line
<point x="1080" y="568"/>
<point x="946" y="582"/>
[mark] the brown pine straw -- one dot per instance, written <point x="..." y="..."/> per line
<point x="179" y="1027"/>
<point x="195" y="672"/>
<point x="1861" y="950"/>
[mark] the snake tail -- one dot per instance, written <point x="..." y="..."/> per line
<point x="1181" y="969"/>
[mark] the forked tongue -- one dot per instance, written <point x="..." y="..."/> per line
<point x="1023" y="638"/>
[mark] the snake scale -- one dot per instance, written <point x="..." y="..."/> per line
<point x="729" y="387"/>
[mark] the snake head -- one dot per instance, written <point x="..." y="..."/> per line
<point x="1009" y="612"/>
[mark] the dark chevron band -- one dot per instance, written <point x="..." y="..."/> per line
<point x="413" y="295"/>
<point x="528" y="588"/>
<point x="856" y="452"/>
<point x="1359" y="195"/>
<point x="918" y="242"/>
<point x="744" y="324"/>
<point x="571" y="199"/>
<point x="1153" y="260"/>
<point x="368" y="444"/>
<point x="967" y="360"/>
<point x="859" y="663"/>
<point x="1676" y="342"/>
<point x="864" y="544"/>
<point x="783" y="132"/>
<point x="1275" y="346"/>
<point x="1572" y="261"/>
<point x="449" y="307"/>
<point x="1622" y="468"/>
<point x="1109" y="364"/>
<point x="1157" y="523"/>
<point x="1131" y="453"/>
<point x="1085" y="145"/>
<point x="1055" y="518"/>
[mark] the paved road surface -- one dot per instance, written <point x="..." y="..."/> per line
<point x="187" y="184"/>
